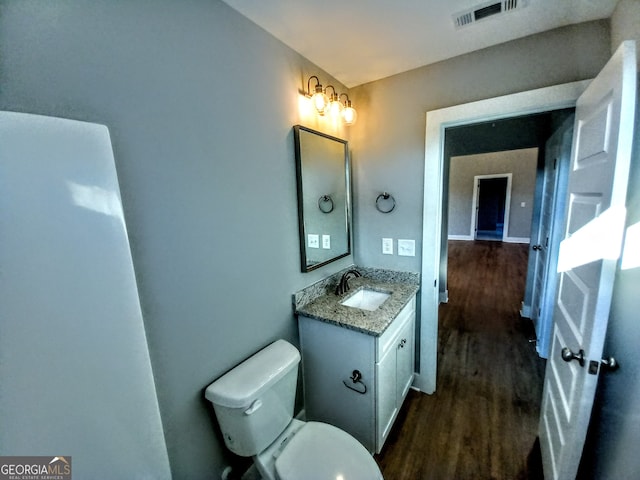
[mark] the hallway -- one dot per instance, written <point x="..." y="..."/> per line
<point x="482" y="421"/>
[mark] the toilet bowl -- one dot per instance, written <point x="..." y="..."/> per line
<point x="254" y="405"/>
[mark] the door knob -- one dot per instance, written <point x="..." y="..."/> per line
<point x="609" y="363"/>
<point x="537" y="247"/>
<point x="568" y="355"/>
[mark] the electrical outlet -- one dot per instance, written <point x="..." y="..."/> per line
<point x="326" y="241"/>
<point x="387" y="246"/>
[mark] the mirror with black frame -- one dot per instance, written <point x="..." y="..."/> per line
<point x="322" y="166"/>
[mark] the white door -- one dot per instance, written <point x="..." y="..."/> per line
<point x="545" y="249"/>
<point x="594" y="224"/>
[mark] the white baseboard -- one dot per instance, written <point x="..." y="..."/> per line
<point x="469" y="238"/>
<point x="525" y="311"/>
<point x="516" y="240"/>
<point x="444" y="296"/>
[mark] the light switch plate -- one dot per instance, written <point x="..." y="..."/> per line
<point x="326" y="241"/>
<point x="387" y="246"/>
<point x="313" y="240"/>
<point x="407" y="248"/>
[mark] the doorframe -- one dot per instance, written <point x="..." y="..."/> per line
<point x="523" y="103"/>
<point x="507" y="202"/>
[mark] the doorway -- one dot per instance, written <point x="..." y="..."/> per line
<point x="492" y="195"/>
<point x="435" y="176"/>
<point x="605" y="112"/>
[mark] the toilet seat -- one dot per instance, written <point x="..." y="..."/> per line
<point x="319" y="451"/>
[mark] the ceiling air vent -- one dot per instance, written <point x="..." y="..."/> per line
<point x="463" y="19"/>
<point x="487" y="10"/>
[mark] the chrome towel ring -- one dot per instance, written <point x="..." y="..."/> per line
<point x="358" y="385"/>
<point x="384" y="196"/>
<point x="325" y="204"/>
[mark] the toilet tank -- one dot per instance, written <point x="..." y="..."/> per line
<point x="254" y="401"/>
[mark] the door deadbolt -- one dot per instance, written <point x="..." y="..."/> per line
<point x="605" y="365"/>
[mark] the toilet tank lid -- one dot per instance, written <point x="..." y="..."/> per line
<point x="244" y="383"/>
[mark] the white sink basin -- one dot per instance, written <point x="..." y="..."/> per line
<point x="366" y="299"/>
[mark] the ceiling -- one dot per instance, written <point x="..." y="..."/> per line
<point x="359" y="41"/>
<point x="513" y="133"/>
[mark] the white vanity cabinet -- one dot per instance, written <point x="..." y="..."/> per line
<point x="330" y="355"/>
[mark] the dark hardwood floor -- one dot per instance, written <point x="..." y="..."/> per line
<point x="482" y="421"/>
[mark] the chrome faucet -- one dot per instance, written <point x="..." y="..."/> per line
<point x="343" y="286"/>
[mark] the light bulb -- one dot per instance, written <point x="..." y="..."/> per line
<point x="349" y="115"/>
<point x="320" y="100"/>
<point x="335" y="107"/>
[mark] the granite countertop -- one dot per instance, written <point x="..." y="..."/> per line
<point x="327" y="307"/>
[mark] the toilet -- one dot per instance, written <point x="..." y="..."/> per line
<point x="254" y="405"/>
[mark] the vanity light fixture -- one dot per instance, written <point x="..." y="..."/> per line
<point x="349" y="114"/>
<point x="331" y="105"/>
<point x="318" y="98"/>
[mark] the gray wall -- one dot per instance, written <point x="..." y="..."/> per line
<point x="200" y="104"/>
<point x="614" y="432"/>
<point x="389" y="137"/>
<point x="520" y="163"/>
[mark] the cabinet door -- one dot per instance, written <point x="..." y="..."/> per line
<point x="387" y="404"/>
<point x="405" y="362"/>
